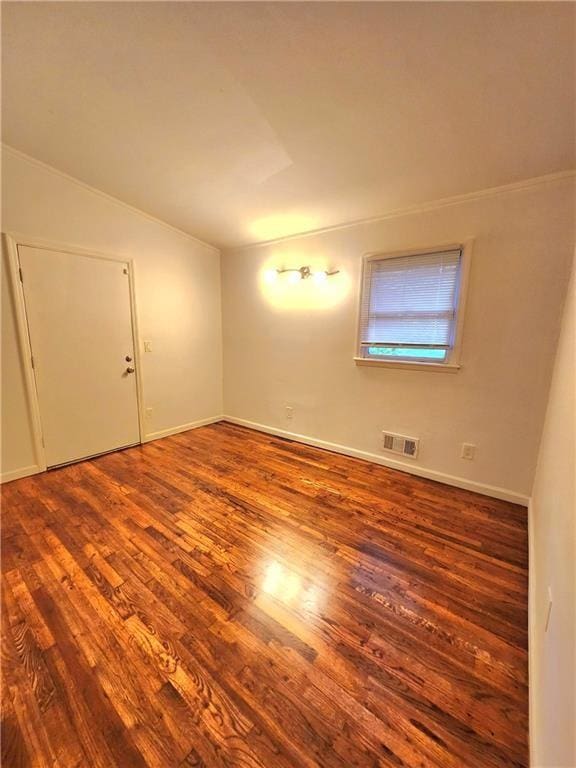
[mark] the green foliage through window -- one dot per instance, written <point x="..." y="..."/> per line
<point x="408" y="353"/>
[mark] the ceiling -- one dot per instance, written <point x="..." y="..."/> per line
<point x="242" y="122"/>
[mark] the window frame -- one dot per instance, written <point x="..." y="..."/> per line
<point x="452" y="362"/>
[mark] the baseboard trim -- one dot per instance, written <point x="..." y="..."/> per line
<point x="430" y="474"/>
<point x="531" y="636"/>
<point x="182" y="428"/>
<point x="16" y="474"/>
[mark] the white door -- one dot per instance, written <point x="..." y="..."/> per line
<point x="80" y="324"/>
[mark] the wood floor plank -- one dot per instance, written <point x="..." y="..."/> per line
<point x="223" y="597"/>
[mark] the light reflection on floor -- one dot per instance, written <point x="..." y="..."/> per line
<point x="289" y="587"/>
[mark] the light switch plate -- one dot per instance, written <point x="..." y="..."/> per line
<point x="468" y="451"/>
<point x="147" y="346"/>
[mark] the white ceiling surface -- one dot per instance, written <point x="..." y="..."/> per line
<point x="243" y="122"/>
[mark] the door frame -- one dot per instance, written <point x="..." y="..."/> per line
<point x="11" y="241"/>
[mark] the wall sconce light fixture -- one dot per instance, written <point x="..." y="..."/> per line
<point x="303" y="273"/>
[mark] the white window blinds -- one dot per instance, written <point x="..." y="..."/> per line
<point x="409" y="305"/>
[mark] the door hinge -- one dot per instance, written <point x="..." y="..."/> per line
<point x="20" y="273"/>
<point x="32" y="361"/>
<point x="125" y="270"/>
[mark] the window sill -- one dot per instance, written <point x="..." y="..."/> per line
<point x="408" y="365"/>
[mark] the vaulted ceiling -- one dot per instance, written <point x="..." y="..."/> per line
<point x="239" y="122"/>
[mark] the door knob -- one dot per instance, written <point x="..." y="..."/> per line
<point x="128" y="359"/>
<point x="129" y="369"/>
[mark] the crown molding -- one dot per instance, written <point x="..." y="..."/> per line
<point x="431" y="205"/>
<point x="45" y="167"/>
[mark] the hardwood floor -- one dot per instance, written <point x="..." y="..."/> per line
<point x="226" y="598"/>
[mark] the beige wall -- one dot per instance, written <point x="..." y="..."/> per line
<point x="553" y="565"/>
<point x="177" y="292"/>
<point x="278" y="352"/>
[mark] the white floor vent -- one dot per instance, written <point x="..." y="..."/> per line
<point x="407" y="446"/>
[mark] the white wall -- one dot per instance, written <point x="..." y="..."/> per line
<point x="278" y="354"/>
<point x="297" y="348"/>
<point x="177" y="292"/>
<point x="553" y="564"/>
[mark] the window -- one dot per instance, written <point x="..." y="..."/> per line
<point x="409" y="307"/>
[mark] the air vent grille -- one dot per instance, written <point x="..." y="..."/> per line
<point x="406" y="446"/>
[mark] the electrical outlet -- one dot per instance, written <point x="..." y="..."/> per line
<point x="289" y="412"/>
<point x="147" y="346"/>
<point x="148" y="413"/>
<point x="548" y="609"/>
<point x="468" y="451"/>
